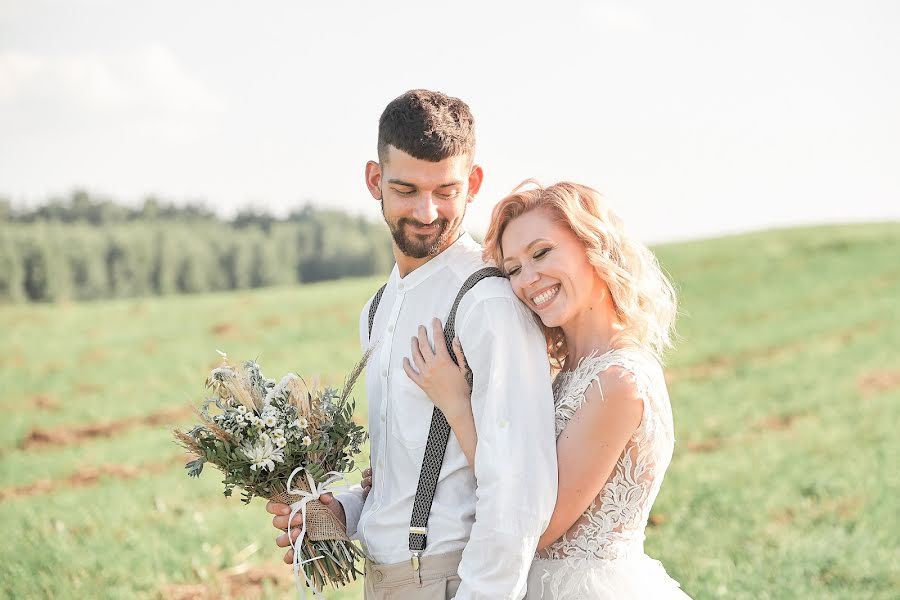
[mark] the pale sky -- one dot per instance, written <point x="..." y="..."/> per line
<point x="694" y="118"/>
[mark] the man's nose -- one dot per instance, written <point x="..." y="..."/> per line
<point x="426" y="210"/>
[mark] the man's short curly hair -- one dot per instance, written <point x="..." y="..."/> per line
<point x="427" y="125"/>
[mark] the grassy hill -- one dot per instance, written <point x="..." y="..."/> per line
<point x="785" y="387"/>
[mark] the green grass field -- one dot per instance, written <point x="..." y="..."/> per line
<point x="785" y="387"/>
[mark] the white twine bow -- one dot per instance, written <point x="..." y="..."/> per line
<point x="315" y="491"/>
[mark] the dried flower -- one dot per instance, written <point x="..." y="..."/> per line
<point x="262" y="456"/>
<point x="249" y="430"/>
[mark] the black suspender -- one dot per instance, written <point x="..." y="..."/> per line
<point x="373" y="308"/>
<point x="439" y="433"/>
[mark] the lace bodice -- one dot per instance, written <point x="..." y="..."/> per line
<point x="613" y="525"/>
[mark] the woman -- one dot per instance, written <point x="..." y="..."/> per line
<point x="607" y="311"/>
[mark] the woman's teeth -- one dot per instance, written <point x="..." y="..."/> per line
<point x="545" y="296"/>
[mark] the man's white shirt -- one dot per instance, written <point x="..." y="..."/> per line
<point x="512" y="402"/>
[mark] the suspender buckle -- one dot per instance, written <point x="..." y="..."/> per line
<point x="417" y="572"/>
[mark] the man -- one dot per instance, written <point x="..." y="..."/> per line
<point x="484" y="525"/>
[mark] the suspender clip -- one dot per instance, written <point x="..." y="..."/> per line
<point x="417" y="572"/>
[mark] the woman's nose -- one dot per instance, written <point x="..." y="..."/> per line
<point x="528" y="276"/>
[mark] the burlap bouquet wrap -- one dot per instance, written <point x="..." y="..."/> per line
<point x="320" y="523"/>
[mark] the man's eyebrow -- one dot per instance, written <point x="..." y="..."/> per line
<point x="407" y="184"/>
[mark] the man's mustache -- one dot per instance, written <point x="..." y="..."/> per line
<point x="442" y="223"/>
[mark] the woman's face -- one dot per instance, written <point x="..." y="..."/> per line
<point x="548" y="267"/>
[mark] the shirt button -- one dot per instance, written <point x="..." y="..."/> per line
<point x="380" y="463"/>
<point x="382" y="418"/>
<point x="384" y="372"/>
<point x="399" y="286"/>
<point x="390" y="328"/>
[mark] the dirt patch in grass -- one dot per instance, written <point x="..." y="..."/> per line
<point x="224" y="328"/>
<point x="707" y="445"/>
<point x="54" y="366"/>
<point x="720" y="365"/>
<point x="766" y="425"/>
<point x="86" y="477"/>
<point x="87" y="387"/>
<point x="273" y="321"/>
<point x="845" y="508"/>
<point x="44" y="402"/>
<point x="92" y="357"/>
<point x="241" y="581"/>
<point x="39" y="438"/>
<point x="779" y="422"/>
<point x="13" y="360"/>
<point x="877" y="382"/>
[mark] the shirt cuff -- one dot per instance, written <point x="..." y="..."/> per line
<point x="352" y="502"/>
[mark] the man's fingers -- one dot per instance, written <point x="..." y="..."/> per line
<point x="281" y="521"/>
<point x="282" y="540"/>
<point x="277" y="508"/>
<point x="289" y="556"/>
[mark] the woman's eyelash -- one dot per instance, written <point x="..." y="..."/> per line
<point x="542" y="252"/>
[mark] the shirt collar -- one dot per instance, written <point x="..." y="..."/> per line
<point x="463" y="244"/>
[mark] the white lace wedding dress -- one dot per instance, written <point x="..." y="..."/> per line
<point x="602" y="555"/>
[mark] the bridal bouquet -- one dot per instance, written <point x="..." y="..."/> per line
<point x="288" y="442"/>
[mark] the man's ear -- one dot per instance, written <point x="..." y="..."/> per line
<point x="373" y="179"/>
<point x="476" y="175"/>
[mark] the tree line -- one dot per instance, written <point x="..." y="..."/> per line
<point x="85" y="248"/>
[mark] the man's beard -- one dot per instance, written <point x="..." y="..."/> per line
<point x="419" y="246"/>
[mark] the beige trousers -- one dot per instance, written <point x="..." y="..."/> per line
<point x="397" y="581"/>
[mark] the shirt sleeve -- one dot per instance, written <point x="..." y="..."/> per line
<point x="515" y="459"/>
<point x="352" y="501"/>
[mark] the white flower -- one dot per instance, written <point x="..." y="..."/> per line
<point x="280" y="388"/>
<point x="271" y="421"/>
<point x="300" y="423"/>
<point x="307" y="440"/>
<point x="280" y="442"/>
<point x="221" y="371"/>
<point x="264" y="437"/>
<point x="278" y="432"/>
<point x="263" y="456"/>
<point x="242" y="409"/>
<point x="239" y="418"/>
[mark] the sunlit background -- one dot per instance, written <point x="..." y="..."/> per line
<point x="181" y="177"/>
<point x="695" y="118"/>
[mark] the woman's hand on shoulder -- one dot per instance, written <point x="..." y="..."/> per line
<point x="433" y="370"/>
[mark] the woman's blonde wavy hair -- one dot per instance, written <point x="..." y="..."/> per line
<point x="643" y="296"/>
